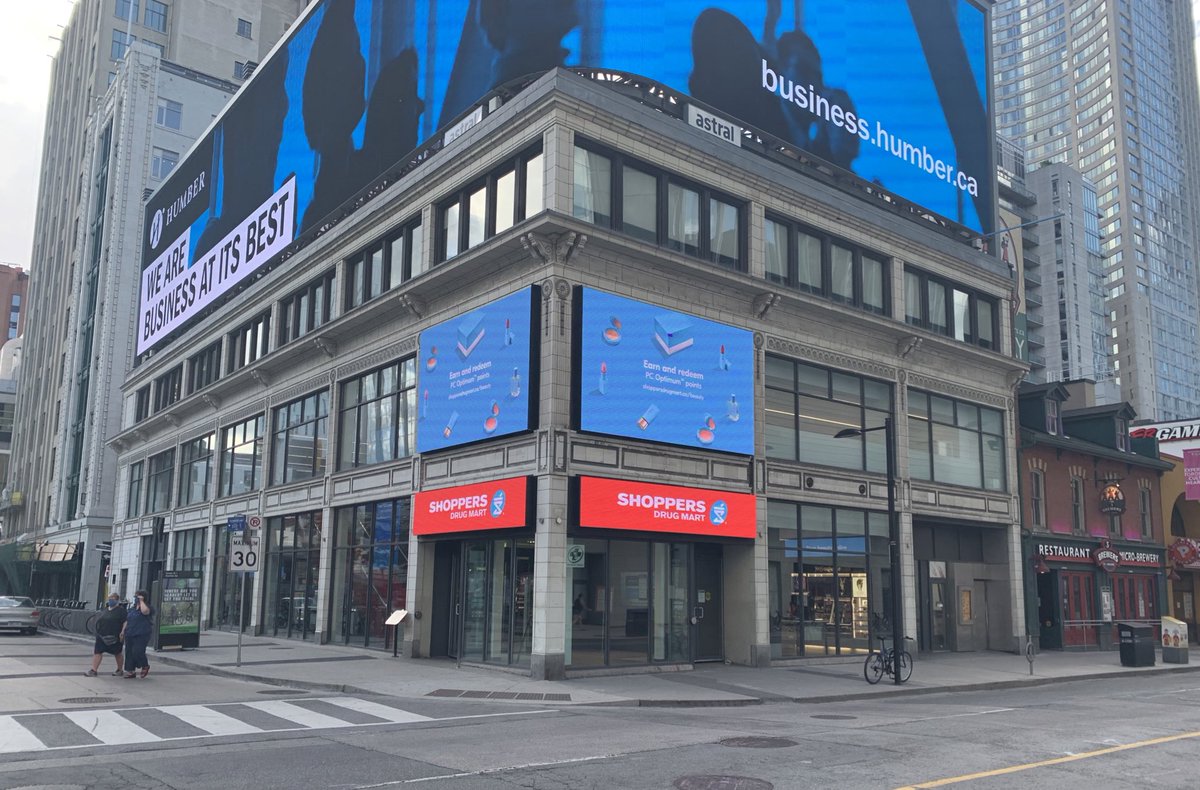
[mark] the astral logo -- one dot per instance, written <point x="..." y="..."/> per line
<point x="156" y="226"/>
<point x="498" y="500"/>
<point x="718" y="513"/>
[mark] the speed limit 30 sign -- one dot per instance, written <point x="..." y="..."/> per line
<point x="243" y="552"/>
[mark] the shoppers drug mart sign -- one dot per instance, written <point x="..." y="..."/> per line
<point x="500" y="504"/>
<point x="648" y="507"/>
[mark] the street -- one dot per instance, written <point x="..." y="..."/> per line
<point x="183" y="729"/>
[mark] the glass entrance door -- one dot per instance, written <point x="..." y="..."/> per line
<point x="708" y="601"/>
<point x="938" y="628"/>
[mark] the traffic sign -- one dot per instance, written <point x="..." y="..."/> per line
<point x="254" y="522"/>
<point x="243" y="552"/>
<point x="235" y="523"/>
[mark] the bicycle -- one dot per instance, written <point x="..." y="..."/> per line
<point x="882" y="661"/>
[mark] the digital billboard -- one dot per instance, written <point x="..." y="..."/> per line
<point x="474" y="374"/>
<point x="895" y="92"/>
<point x="647" y="372"/>
<point x="605" y="503"/>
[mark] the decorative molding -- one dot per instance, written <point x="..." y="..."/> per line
<point x="762" y="303"/>
<point x="172" y="419"/>
<point x="377" y="358"/>
<point x="241" y="415"/>
<point x="305" y="387"/>
<point x="943" y="387"/>
<point x="562" y="289"/>
<point x="810" y="354"/>
<point x="263" y="380"/>
<point x="415" y="304"/>
<point x="325" y="346"/>
<point x="212" y="402"/>
<point x="908" y="345"/>
<point x="556" y="249"/>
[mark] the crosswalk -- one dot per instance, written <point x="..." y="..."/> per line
<point x="52" y="730"/>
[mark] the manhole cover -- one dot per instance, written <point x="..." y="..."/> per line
<point x="280" y="691"/>
<point x="88" y="700"/>
<point x="713" y="782"/>
<point x="833" y="717"/>
<point x="753" y="742"/>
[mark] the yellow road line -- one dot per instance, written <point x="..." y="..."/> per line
<point x="1012" y="769"/>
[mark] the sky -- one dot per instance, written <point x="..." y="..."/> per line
<point x="26" y="48"/>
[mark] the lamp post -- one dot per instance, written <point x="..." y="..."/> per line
<point x="893" y="538"/>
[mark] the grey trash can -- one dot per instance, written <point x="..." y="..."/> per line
<point x="1136" y="644"/>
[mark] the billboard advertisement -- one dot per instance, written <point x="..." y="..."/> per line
<point x="606" y="503"/>
<point x="646" y="372"/>
<point x="901" y="102"/>
<point x="500" y="504"/>
<point x="474" y="374"/>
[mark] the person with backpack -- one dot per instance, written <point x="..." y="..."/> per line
<point x="108" y="634"/>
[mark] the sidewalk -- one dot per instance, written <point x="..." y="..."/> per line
<point x="302" y="665"/>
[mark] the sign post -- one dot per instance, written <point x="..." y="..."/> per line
<point x="243" y="559"/>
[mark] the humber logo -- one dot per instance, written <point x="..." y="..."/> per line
<point x="498" y="499"/>
<point x="156" y="226"/>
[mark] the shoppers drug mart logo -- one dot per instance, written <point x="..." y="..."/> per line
<point x="497" y="508"/>
<point x="718" y="513"/>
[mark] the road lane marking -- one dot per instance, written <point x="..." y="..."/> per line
<point x="489" y="771"/>
<point x="15" y="738"/>
<point x="302" y="716"/>
<point x="211" y="720"/>
<point x="110" y="726"/>
<point x="1012" y="769"/>
<point x="394" y="715"/>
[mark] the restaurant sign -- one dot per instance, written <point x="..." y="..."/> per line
<point x="1103" y="555"/>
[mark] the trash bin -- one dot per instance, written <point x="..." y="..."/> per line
<point x="1174" y="641"/>
<point x="1137" y="644"/>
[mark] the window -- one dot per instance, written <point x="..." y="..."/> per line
<point x="141" y="404"/>
<point x="127" y="10"/>
<point x="1052" y="416"/>
<point x="618" y="192"/>
<point x="1145" y="514"/>
<point x="195" y="469"/>
<point x="120" y="43"/>
<point x="241" y="70"/>
<point x="385" y="264"/>
<point x="169" y="114"/>
<point x="168" y="388"/>
<point x="242" y="456"/>
<point x="248" y="343"/>
<point x="1037" y="499"/>
<point x="158" y="481"/>
<point x="306" y="309"/>
<point x="949" y="309"/>
<point x="133" y="498"/>
<point x="7" y="418"/>
<point x="510" y="194"/>
<point x="190" y="549"/>
<point x="204" y="368"/>
<point x="1078" y="511"/>
<point x="156" y="16"/>
<point x="955" y="442"/>
<point x="807" y="260"/>
<point x="1123" y="435"/>
<point x="298" y="445"/>
<point x="162" y="163"/>
<point x="244" y="28"/>
<point x="378" y="415"/>
<point x="808" y="405"/>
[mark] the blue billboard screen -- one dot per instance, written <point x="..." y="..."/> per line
<point x="473" y="374"/>
<point x="647" y="372"/>
<point x="895" y="92"/>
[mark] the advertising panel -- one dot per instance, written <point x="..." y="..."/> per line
<point x="647" y="372"/>
<point x="500" y="504"/>
<point x="358" y="85"/>
<point x="473" y="374"/>
<point x="177" y="621"/>
<point x="605" y="503"/>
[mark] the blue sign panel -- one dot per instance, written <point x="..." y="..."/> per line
<point x="895" y="92"/>
<point x="473" y="374"/>
<point x="647" y="372"/>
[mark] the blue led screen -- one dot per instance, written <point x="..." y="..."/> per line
<point x="894" y="91"/>
<point x="651" y="373"/>
<point x="473" y="374"/>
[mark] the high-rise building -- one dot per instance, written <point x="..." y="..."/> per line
<point x="132" y="86"/>
<point x="1070" y="89"/>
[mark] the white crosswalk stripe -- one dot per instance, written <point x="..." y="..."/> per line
<point x="50" y="730"/>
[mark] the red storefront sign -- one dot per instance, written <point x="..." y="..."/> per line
<point x="1102" y="554"/>
<point x="500" y="504"/>
<point x="649" y="507"/>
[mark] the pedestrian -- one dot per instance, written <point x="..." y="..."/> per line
<point x="136" y="633"/>
<point x="108" y="634"/>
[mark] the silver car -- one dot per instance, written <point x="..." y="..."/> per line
<point x="17" y="613"/>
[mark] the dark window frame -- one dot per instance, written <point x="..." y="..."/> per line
<point x="1078" y="507"/>
<point x="252" y="433"/>
<point x="957" y="423"/>
<point x="1037" y="499"/>
<point x="133" y="490"/>
<point x="971" y="333"/>
<point x="194" y="454"/>
<point x="828" y="242"/>
<point x="168" y="389"/>
<point x="306" y="309"/>
<point x="204" y="367"/>
<point x="460" y="200"/>
<point x="290" y="422"/>
<point x="405" y="391"/>
<point x="160" y="475"/>
<point x="360" y="266"/>
<point x="141" y="403"/>
<point x="615" y="218"/>
<point x="249" y="343"/>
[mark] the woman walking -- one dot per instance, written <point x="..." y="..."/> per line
<point x="136" y="634"/>
<point x="108" y="634"/>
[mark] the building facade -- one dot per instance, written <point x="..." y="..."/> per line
<point x="573" y="530"/>
<point x="1070" y="89"/>
<point x="127" y="100"/>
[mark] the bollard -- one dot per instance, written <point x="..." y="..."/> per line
<point x="1029" y="652"/>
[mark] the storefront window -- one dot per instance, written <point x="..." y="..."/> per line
<point x="378" y="416"/>
<point x="190" y="548"/>
<point x="589" y="592"/>
<point x="241" y="456"/>
<point x="298" y="450"/>
<point x="370" y="571"/>
<point x="230" y="610"/>
<point x="955" y="442"/>
<point x="292" y="575"/>
<point x="194" y="470"/>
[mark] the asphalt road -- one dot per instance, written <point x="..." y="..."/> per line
<point x="183" y="730"/>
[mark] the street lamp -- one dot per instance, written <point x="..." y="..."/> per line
<point x="893" y="538"/>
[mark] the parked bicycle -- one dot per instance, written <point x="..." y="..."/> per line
<point x="883" y="662"/>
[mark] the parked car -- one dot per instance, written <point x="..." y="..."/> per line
<point x="17" y="613"/>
